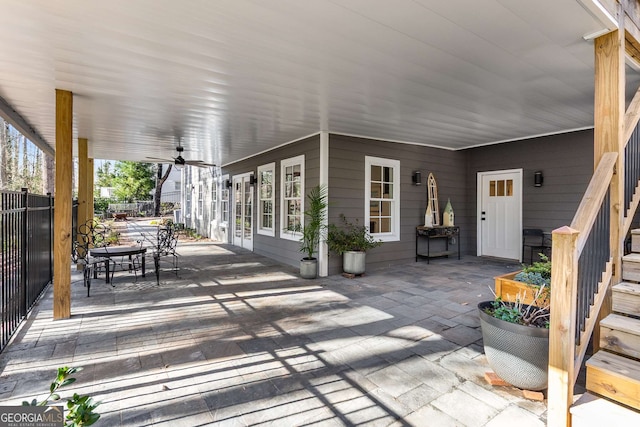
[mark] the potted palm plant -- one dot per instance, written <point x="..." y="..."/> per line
<point x="312" y="231"/>
<point x="516" y="339"/>
<point x="352" y="241"/>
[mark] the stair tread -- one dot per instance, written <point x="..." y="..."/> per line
<point x="621" y="323"/>
<point x="592" y="410"/>
<point x="627" y="287"/>
<point x="618" y="366"/>
<point x="633" y="257"/>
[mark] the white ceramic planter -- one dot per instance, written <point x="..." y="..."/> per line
<point x="309" y="268"/>
<point x="354" y="262"/>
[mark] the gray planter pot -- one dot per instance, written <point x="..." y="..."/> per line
<point x="518" y="354"/>
<point x="353" y="262"/>
<point x="309" y="268"/>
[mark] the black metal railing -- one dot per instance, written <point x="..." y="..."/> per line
<point x="591" y="264"/>
<point x="631" y="166"/>
<point x="26" y="255"/>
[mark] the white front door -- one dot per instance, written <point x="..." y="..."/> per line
<point x="500" y="213"/>
<point x="243" y="211"/>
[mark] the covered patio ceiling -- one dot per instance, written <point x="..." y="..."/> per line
<point x="236" y="77"/>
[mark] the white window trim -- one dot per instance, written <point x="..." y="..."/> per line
<point x="223" y="187"/>
<point x="394" y="235"/>
<point x="284" y="233"/>
<point x="261" y="230"/>
<point x="200" y="199"/>
<point x="215" y="191"/>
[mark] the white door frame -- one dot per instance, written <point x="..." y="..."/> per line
<point x="479" y="195"/>
<point x="243" y="243"/>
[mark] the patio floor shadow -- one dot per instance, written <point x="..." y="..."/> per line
<point x="239" y="339"/>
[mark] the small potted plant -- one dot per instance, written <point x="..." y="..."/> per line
<point x="352" y="241"/>
<point x="526" y="282"/>
<point x="516" y="339"/>
<point x="313" y="230"/>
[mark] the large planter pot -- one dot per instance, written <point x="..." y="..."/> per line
<point x="353" y="262"/>
<point x="518" y="354"/>
<point x="308" y="268"/>
<point x="508" y="289"/>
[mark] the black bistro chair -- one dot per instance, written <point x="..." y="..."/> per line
<point x="532" y="238"/>
<point x="90" y="235"/>
<point x="164" y="245"/>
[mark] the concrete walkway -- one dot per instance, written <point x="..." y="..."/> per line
<point x="238" y="339"/>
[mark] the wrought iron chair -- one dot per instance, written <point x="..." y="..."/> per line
<point x="90" y="235"/>
<point x="163" y="245"/>
<point x="532" y="238"/>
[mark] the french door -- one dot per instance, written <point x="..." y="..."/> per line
<point x="243" y="211"/>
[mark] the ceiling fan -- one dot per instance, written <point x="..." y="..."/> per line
<point x="180" y="161"/>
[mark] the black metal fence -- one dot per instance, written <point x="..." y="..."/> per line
<point x="591" y="264"/>
<point x="26" y="255"/>
<point x="632" y="166"/>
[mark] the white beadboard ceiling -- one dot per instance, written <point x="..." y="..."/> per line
<point x="235" y="77"/>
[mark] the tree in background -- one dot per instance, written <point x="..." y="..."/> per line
<point x="21" y="162"/>
<point x="160" y="179"/>
<point x="133" y="181"/>
<point x="105" y="175"/>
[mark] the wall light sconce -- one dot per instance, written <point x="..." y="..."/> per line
<point x="228" y="183"/>
<point x="416" y="178"/>
<point x="252" y="179"/>
<point x="538" y="179"/>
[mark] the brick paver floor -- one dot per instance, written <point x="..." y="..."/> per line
<point x="239" y="339"/>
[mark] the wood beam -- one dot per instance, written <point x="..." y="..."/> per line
<point x="63" y="206"/>
<point x="21" y="124"/>
<point x="90" y="201"/>
<point x="609" y="126"/>
<point x="632" y="116"/>
<point x="83" y="181"/>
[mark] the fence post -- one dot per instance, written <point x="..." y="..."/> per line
<point x="25" y="252"/>
<point x="50" y="237"/>
<point x="562" y="328"/>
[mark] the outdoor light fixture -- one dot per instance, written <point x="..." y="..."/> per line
<point x="538" y="179"/>
<point x="416" y="178"/>
<point x="252" y="179"/>
<point x="228" y="183"/>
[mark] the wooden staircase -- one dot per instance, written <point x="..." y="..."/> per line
<point x="614" y="372"/>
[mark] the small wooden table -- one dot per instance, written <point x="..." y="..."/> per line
<point x="120" y="215"/>
<point x="116" y="251"/>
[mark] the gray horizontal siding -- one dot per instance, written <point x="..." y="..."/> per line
<point x="566" y="162"/>
<point x="346" y="189"/>
<point x="286" y="251"/>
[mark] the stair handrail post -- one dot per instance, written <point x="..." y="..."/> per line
<point x="562" y="327"/>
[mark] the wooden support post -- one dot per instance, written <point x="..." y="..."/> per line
<point x="562" y="348"/>
<point x="63" y="206"/>
<point x="609" y="131"/>
<point x="83" y="182"/>
<point x="90" y="201"/>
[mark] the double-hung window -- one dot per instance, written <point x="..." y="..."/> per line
<point x="266" y="199"/>
<point x="291" y="197"/>
<point x="224" y="201"/>
<point x="214" y="199"/>
<point x="200" y="199"/>
<point x="382" y="198"/>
